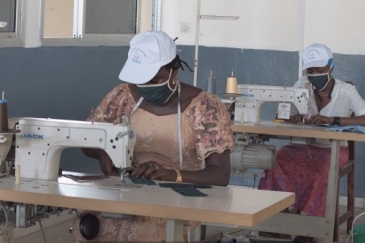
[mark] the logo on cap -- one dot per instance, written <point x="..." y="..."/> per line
<point x="312" y="54"/>
<point x="135" y="58"/>
<point x="137" y="54"/>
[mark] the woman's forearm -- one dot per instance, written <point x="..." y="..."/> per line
<point x="213" y="175"/>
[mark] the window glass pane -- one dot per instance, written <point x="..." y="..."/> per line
<point x="54" y="11"/>
<point x="7" y="14"/>
<point x="110" y="16"/>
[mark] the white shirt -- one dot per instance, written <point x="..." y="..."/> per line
<point x="345" y="100"/>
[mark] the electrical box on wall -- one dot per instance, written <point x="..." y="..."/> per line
<point x="185" y="27"/>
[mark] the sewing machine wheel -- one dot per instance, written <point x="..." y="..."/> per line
<point x="4" y="220"/>
<point x="89" y="226"/>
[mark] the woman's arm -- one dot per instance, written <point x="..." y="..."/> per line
<point x="354" y="102"/>
<point x="106" y="163"/>
<point x="295" y="119"/>
<point x="343" y="121"/>
<point x="352" y="120"/>
<point x="216" y="172"/>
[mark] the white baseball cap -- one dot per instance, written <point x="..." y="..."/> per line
<point x="148" y="52"/>
<point x="316" y="55"/>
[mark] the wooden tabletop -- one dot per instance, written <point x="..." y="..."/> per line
<point x="295" y="130"/>
<point x="231" y="205"/>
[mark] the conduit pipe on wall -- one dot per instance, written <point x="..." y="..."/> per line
<point x="198" y="18"/>
<point x="197" y="42"/>
<point x="301" y="34"/>
<point x="156" y="15"/>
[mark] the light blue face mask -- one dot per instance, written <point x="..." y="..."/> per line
<point x="157" y="94"/>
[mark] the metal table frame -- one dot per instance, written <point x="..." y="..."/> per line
<point x="319" y="227"/>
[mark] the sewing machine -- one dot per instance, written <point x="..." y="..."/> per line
<point x="248" y="155"/>
<point x="248" y="106"/>
<point x="247" y="109"/>
<point x="40" y="142"/>
<point x="6" y="142"/>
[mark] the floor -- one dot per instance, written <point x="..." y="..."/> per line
<point x="60" y="232"/>
<point x="54" y="234"/>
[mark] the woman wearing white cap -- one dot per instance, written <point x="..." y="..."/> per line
<point x="303" y="169"/>
<point x="177" y="127"/>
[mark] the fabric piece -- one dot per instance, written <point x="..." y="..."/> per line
<point x="303" y="169"/>
<point x="178" y="184"/>
<point x="353" y="128"/>
<point x="205" y="130"/>
<point x="189" y="191"/>
<point x="141" y="180"/>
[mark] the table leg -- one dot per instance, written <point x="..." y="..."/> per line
<point x="332" y="188"/>
<point x="8" y="235"/>
<point x="174" y="230"/>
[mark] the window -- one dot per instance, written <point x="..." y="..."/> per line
<point x="10" y="23"/>
<point x="88" y="22"/>
<point x="110" y="17"/>
<point x="73" y="22"/>
<point x="7" y="15"/>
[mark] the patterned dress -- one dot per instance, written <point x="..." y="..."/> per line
<point x="205" y="130"/>
<point x="303" y="169"/>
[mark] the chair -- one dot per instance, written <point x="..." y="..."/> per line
<point x="347" y="216"/>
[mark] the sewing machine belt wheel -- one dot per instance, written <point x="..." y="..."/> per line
<point x="89" y="226"/>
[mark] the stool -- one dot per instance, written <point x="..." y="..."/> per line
<point x="348" y="216"/>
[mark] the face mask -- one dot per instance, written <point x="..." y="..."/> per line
<point x="319" y="81"/>
<point x="157" y="94"/>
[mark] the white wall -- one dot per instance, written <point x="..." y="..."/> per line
<point x="339" y="23"/>
<point x="270" y="24"/>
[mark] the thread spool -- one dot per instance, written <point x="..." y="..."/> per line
<point x="4" y="126"/>
<point x="231" y="87"/>
<point x="210" y="84"/>
<point x="17" y="174"/>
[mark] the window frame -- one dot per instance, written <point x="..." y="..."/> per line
<point x="13" y="39"/>
<point x="95" y="39"/>
<point x="30" y="24"/>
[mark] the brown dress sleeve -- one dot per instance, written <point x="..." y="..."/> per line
<point x="211" y="124"/>
<point x="115" y="104"/>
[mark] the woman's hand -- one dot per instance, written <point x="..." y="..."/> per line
<point x="318" y="119"/>
<point x="152" y="170"/>
<point x="296" y="119"/>
<point x="106" y="164"/>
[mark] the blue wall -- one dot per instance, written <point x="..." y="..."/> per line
<point x="67" y="82"/>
